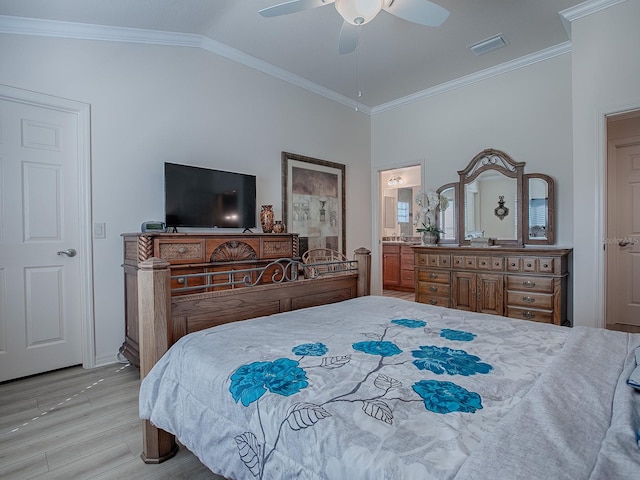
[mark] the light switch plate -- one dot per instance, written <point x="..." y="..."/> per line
<point x="99" y="230"/>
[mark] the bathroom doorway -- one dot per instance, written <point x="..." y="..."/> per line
<point x="397" y="233"/>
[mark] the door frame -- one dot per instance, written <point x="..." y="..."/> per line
<point x="602" y="203"/>
<point x="376" y="215"/>
<point x="83" y="114"/>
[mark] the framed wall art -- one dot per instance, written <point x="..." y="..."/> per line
<point x="313" y="201"/>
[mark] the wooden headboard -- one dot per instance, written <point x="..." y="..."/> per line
<point x="164" y="318"/>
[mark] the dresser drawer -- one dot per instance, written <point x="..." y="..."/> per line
<point x="433" y="276"/>
<point x="276" y="249"/>
<point x="433" y="300"/>
<point x="529" y="300"/>
<point x="530" y="314"/>
<point x="434" y="289"/>
<point x="180" y="251"/>
<point x="531" y="264"/>
<point x="530" y="284"/>
<point x="185" y="280"/>
<point x="469" y="262"/>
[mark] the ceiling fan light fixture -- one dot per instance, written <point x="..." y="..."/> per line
<point x="358" y="12"/>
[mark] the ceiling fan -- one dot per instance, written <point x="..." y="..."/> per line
<point x="359" y="12"/>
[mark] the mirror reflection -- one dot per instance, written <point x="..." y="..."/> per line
<point x="538" y="208"/>
<point x="491" y="208"/>
<point x="447" y="214"/>
<point x="404" y="211"/>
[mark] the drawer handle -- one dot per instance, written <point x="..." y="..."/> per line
<point x="528" y="315"/>
<point x="528" y="299"/>
<point x="181" y="280"/>
<point x="513" y="264"/>
<point x="528" y="284"/>
<point x="433" y="275"/>
<point x="182" y="250"/>
<point x="545" y="265"/>
<point x="433" y="289"/>
<point x="433" y="302"/>
<point x="528" y="265"/>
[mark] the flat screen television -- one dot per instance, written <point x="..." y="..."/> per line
<point x="206" y="198"/>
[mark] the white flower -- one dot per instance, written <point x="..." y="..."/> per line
<point x="428" y="201"/>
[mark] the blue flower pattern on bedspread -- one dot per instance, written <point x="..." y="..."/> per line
<point x="457" y="335"/>
<point x="310" y="349"/>
<point x="283" y="376"/>
<point x="286" y="377"/>
<point x="447" y="397"/>
<point x="407" y="322"/>
<point x="384" y="349"/>
<point x="441" y="360"/>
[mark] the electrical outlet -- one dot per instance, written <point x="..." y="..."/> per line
<point x="99" y="230"/>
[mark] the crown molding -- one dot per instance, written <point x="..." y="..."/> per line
<point x="83" y="31"/>
<point x="521" y="62"/>
<point x="583" y="9"/>
<point x="52" y="28"/>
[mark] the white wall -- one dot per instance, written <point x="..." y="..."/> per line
<point x="606" y="69"/>
<point x="151" y="104"/>
<point x="526" y="113"/>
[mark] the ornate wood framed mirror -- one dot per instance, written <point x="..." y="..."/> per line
<point x="490" y="195"/>
<point x="495" y="199"/>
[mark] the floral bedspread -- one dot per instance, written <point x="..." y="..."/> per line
<point x="370" y="388"/>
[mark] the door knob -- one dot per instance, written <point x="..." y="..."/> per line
<point x="69" y="253"/>
<point x="623" y="243"/>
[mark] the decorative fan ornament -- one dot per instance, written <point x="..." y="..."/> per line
<point x="359" y="12"/>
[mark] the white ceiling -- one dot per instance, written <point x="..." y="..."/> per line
<point x="394" y="62"/>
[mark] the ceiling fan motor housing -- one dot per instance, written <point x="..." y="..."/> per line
<point x="358" y="12"/>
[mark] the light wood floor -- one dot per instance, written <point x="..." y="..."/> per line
<point x="80" y="424"/>
<point x="398" y="294"/>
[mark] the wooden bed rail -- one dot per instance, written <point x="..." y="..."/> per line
<point x="159" y="329"/>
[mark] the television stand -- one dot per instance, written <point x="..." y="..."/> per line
<point x="192" y="253"/>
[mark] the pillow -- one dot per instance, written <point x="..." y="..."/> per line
<point x="634" y="378"/>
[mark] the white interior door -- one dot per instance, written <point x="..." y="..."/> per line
<point x="623" y="238"/>
<point x="40" y="300"/>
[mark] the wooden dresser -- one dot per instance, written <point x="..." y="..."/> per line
<point x="523" y="283"/>
<point x="190" y="253"/>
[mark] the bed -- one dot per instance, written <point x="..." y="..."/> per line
<point x="376" y="387"/>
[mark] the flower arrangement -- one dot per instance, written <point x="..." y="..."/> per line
<point x="425" y="218"/>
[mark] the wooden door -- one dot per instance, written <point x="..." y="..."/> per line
<point x="623" y="235"/>
<point x="490" y="294"/>
<point x="40" y="300"/>
<point x="464" y="291"/>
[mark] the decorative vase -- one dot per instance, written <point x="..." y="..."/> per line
<point x="266" y="218"/>
<point x="430" y="238"/>
<point x="279" y="227"/>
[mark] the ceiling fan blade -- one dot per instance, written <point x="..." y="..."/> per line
<point x="349" y="35"/>
<point x="292" y="6"/>
<point x="423" y="12"/>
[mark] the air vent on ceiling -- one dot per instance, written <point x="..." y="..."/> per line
<point x="488" y="45"/>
